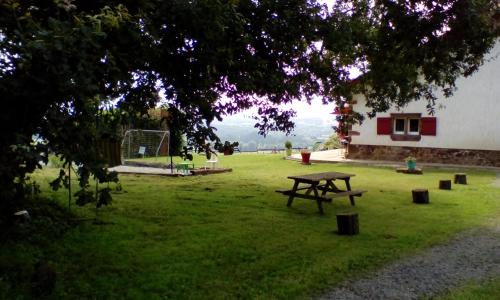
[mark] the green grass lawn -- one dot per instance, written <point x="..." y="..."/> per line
<point x="489" y="290"/>
<point x="231" y="236"/>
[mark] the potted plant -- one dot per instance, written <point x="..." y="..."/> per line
<point x="411" y="162"/>
<point x="288" y="147"/>
<point x="306" y="156"/>
<point x="227" y="148"/>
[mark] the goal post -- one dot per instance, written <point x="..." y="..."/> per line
<point x="139" y="143"/>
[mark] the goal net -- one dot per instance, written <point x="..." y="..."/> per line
<point x="139" y="143"/>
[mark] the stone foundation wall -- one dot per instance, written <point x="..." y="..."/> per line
<point x="428" y="155"/>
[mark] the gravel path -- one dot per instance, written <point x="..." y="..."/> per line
<point x="474" y="255"/>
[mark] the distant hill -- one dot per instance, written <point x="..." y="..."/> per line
<point x="307" y="132"/>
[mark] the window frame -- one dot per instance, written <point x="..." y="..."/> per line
<point x="406" y="135"/>
<point x="394" y="126"/>
<point x="409" y="126"/>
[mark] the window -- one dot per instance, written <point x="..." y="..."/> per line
<point x="406" y="127"/>
<point x="399" y="126"/>
<point x="414" y="126"/>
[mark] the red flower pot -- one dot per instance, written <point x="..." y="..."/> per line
<point x="305" y="158"/>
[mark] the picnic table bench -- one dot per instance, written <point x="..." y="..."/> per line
<point x="313" y="187"/>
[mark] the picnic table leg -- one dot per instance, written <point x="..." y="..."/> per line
<point x="320" y="206"/>
<point x="311" y="189"/>
<point x="333" y="187"/>
<point x="348" y="186"/>
<point x="327" y="186"/>
<point x="292" y="194"/>
<point x="318" y="200"/>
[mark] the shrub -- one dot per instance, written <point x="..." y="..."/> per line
<point x="55" y="161"/>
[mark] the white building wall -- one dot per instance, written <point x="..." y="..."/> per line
<point x="470" y="119"/>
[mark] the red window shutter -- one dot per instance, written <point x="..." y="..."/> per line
<point x="384" y="126"/>
<point x="428" y="126"/>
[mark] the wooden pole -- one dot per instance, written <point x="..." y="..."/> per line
<point x="445" y="184"/>
<point x="460" y="178"/>
<point x="347" y="223"/>
<point x="420" y="196"/>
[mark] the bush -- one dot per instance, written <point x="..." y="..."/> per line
<point x="55" y="161"/>
<point x="332" y="142"/>
<point x="23" y="244"/>
<point x="227" y="148"/>
<point x="47" y="219"/>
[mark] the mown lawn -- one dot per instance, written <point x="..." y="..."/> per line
<point x="489" y="290"/>
<point x="231" y="236"/>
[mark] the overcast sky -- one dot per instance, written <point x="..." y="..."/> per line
<point x="304" y="110"/>
<point x="316" y="109"/>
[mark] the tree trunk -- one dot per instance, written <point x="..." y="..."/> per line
<point x="460" y="178"/>
<point x="445" y="184"/>
<point x="347" y="223"/>
<point x="420" y="196"/>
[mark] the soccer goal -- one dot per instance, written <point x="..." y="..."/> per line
<point x="139" y="143"/>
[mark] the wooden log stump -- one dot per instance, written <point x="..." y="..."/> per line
<point x="445" y="184"/>
<point x="416" y="171"/>
<point x="420" y="196"/>
<point x="460" y="178"/>
<point x="347" y="223"/>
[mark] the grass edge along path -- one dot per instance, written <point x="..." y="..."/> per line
<point x="469" y="256"/>
<point x="476" y="290"/>
<point x="231" y="236"/>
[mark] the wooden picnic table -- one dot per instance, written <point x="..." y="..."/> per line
<point x="312" y="185"/>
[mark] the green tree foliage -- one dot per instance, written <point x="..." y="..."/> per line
<point x="227" y="147"/>
<point x="63" y="61"/>
<point x="332" y="142"/>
